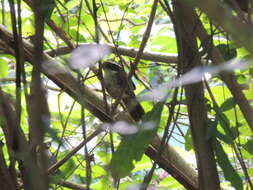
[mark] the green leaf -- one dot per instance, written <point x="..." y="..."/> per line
<point x="225" y="124"/>
<point x="169" y="183"/>
<point x="188" y="140"/>
<point x="211" y="129"/>
<point x="98" y="171"/>
<point x="132" y="147"/>
<point x="249" y="146"/>
<point x="230" y="173"/>
<point x="3" y="68"/>
<point x="143" y="164"/>
<point x="67" y="169"/>
<point x="223" y="137"/>
<point x="227" y="105"/>
<point x="213" y="132"/>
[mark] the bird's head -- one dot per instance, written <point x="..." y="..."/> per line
<point x="111" y="66"/>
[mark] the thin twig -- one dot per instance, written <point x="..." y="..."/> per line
<point x="72" y="152"/>
<point x="141" y="49"/>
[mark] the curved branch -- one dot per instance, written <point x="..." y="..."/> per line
<point x="126" y="51"/>
<point x="94" y="103"/>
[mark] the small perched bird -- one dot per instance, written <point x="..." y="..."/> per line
<point x="115" y="79"/>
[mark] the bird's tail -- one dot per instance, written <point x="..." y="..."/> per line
<point x="133" y="107"/>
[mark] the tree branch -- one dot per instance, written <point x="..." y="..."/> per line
<point x="94" y="103"/>
<point x="126" y="51"/>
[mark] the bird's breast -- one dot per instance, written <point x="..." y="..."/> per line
<point x="112" y="85"/>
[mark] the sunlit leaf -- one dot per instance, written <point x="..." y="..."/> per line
<point x="188" y="140"/>
<point x="230" y="173"/>
<point x="227" y="105"/>
<point x="249" y="146"/>
<point x="211" y="129"/>
<point x="3" y="68"/>
<point x="132" y="147"/>
<point x="225" y="124"/>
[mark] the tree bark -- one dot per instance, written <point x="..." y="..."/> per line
<point x="189" y="57"/>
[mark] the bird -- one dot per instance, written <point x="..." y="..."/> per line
<point x="115" y="80"/>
